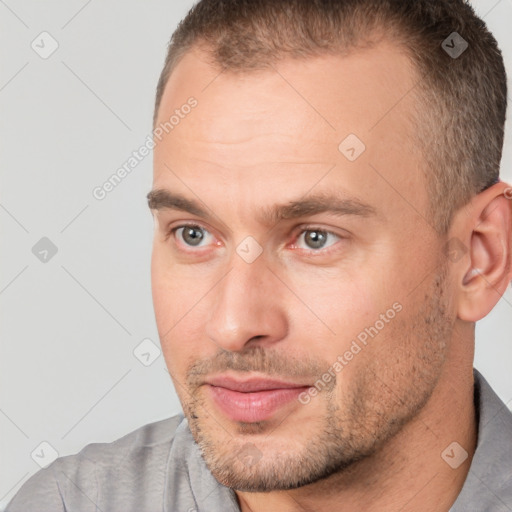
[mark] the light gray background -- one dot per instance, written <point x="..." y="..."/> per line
<point x="69" y="326"/>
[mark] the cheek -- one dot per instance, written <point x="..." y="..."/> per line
<point x="171" y="296"/>
<point x="172" y="288"/>
<point x="334" y="308"/>
<point x="355" y="326"/>
<point x="180" y="303"/>
<point x="162" y="295"/>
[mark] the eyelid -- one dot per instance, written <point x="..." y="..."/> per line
<point x="172" y="227"/>
<point x="299" y="230"/>
<point x="171" y="231"/>
<point x="318" y="227"/>
<point x="313" y="227"/>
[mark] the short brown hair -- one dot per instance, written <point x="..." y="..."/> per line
<point x="461" y="102"/>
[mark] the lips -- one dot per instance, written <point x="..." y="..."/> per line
<point x="252" y="385"/>
<point x="255" y="399"/>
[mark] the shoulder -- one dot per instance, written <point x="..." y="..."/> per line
<point x="142" y="449"/>
<point x="103" y="471"/>
<point x="493" y="467"/>
<point x="488" y="485"/>
<point x="152" y="437"/>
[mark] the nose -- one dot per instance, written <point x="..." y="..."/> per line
<point x="247" y="308"/>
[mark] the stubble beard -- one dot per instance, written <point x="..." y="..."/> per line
<point x="360" y="416"/>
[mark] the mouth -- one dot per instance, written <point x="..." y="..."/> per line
<point x="252" y="400"/>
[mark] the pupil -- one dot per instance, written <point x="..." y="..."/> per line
<point x="315" y="239"/>
<point x="192" y="235"/>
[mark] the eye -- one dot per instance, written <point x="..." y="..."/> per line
<point x="315" y="239"/>
<point x="192" y="235"/>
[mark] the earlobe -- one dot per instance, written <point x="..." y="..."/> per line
<point x="489" y="270"/>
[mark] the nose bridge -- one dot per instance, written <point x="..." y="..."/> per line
<point x="246" y="306"/>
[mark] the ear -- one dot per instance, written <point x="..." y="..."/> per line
<point x="486" y="272"/>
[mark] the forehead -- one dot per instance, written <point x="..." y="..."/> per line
<point x="289" y="124"/>
<point x="378" y="74"/>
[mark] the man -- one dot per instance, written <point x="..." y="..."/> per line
<point x="327" y="232"/>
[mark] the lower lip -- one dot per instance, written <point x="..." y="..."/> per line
<point x="256" y="406"/>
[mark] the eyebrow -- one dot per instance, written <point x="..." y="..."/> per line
<point x="160" y="199"/>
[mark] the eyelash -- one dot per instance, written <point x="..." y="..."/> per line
<point x="322" y="251"/>
<point x="303" y="229"/>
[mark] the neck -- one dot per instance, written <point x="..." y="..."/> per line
<point x="408" y="473"/>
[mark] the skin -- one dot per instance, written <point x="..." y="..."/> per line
<point x="372" y="439"/>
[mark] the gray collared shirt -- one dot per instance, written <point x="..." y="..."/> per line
<point x="159" y="468"/>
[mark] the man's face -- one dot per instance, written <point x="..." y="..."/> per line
<point x="355" y="299"/>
